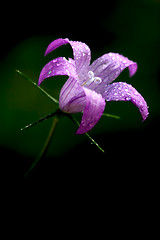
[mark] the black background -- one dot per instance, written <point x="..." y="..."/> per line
<point x="129" y="168"/>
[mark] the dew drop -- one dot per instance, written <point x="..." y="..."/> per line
<point x="49" y="72"/>
<point x="128" y="98"/>
<point x="54" y="60"/>
<point x="110" y="54"/>
<point x="91" y="125"/>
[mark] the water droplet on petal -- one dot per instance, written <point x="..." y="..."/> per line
<point x="54" y="60"/>
<point x="49" y="72"/>
<point x="128" y="98"/>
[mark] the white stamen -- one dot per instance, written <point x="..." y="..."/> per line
<point x="90" y="74"/>
<point x="91" y="79"/>
<point x="97" y="80"/>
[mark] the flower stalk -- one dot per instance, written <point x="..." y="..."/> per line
<point x="45" y="147"/>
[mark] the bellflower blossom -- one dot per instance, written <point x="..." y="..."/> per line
<point x="89" y="86"/>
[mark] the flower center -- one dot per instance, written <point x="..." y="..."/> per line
<point x="91" y="79"/>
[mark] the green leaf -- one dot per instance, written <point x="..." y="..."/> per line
<point x="111" y="116"/>
<point x="92" y="140"/>
<point x="42" y="119"/>
<point x="42" y="90"/>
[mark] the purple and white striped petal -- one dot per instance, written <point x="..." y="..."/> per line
<point x="108" y="67"/>
<point x="121" y="91"/>
<point x="94" y="109"/>
<point x="72" y="97"/>
<point x="58" y="66"/>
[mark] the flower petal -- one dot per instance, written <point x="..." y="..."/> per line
<point x="58" y="66"/>
<point x="121" y="91"/>
<point x="81" y="52"/>
<point x="55" y="44"/>
<point x="72" y="97"/>
<point x="108" y="67"/>
<point x="94" y="108"/>
<point x="82" y="56"/>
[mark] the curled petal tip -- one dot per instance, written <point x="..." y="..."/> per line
<point x="58" y="66"/>
<point x="121" y="91"/>
<point x="55" y="44"/>
<point x="133" y="69"/>
<point x="144" y="112"/>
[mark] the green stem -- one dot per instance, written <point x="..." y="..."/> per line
<point x="45" y="147"/>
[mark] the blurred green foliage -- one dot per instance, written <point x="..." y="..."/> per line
<point x="136" y="36"/>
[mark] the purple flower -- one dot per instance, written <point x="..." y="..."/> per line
<point x="89" y="86"/>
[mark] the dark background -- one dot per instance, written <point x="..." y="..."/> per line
<point x="73" y="164"/>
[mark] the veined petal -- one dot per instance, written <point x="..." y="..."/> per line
<point x="72" y="97"/>
<point x="94" y="109"/>
<point x="108" y="67"/>
<point x="121" y="91"/>
<point x="58" y="66"/>
<point x="82" y="56"/>
<point x="81" y="52"/>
